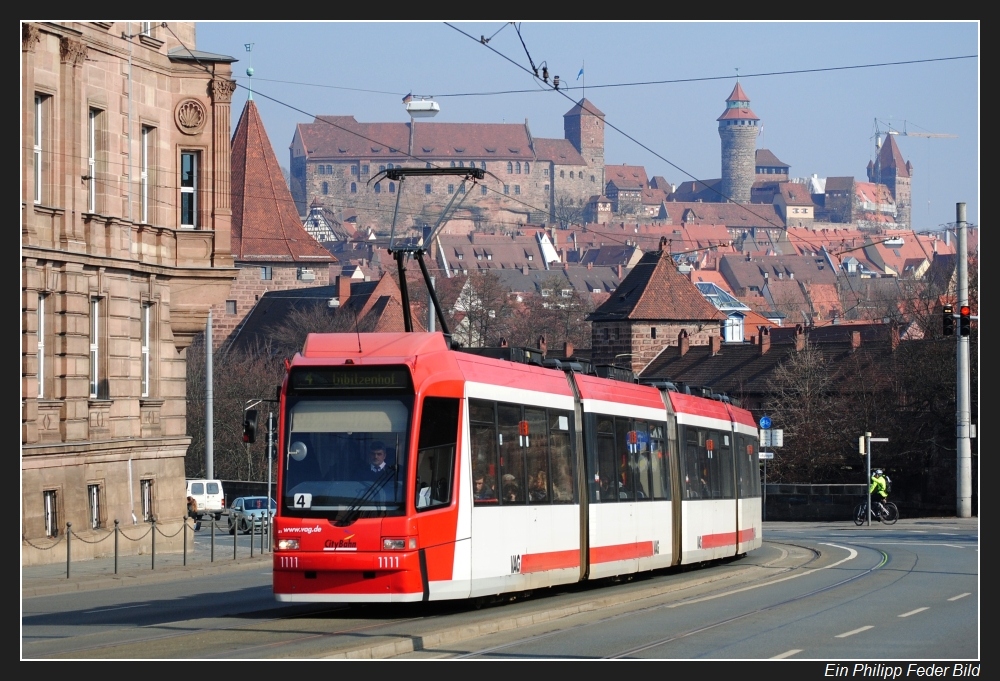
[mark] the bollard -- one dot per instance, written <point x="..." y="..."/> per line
<point x="251" y="537"/>
<point x="68" y="533"/>
<point x="185" y="559"/>
<point x="211" y="555"/>
<point x="236" y="534"/>
<point x="116" y="546"/>
<point x="262" y="524"/>
<point x="152" y="534"/>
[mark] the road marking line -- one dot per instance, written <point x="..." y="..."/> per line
<point x="912" y="612"/>
<point x="124" y="607"/>
<point x="856" y="631"/>
<point x="955" y="598"/>
<point x="788" y="653"/>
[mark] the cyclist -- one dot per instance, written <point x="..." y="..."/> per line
<point x="879" y="492"/>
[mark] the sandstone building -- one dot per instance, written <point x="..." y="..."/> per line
<point x="125" y="244"/>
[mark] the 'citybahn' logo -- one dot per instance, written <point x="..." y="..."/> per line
<point x="345" y="544"/>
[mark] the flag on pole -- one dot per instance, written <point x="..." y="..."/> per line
<point x="579" y="74"/>
<point x="408" y="98"/>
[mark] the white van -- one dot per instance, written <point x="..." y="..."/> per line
<point x="208" y="495"/>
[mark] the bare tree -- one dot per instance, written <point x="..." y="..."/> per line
<point x="487" y="308"/>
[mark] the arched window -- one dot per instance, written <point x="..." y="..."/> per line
<point x="518" y="167"/>
<point x="482" y="164"/>
<point x="461" y="164"/>
<point x="571" y="174"/>
<point x="326" y="187"/>
<point x="354" y="187"/>
<point x="378" y="187"/>
<point x="562" y="173"/>
<point x="389" y="166"/>
<point x="510" y="167"/>
<point x="392" y="187"/>
<point x="527" y="168"/>
<point x="381" y="169"/>
<point x="452" y="164"/>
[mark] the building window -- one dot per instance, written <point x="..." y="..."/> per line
<point x="95" y="347"/>
<point x="51" y="513"/>
<point x="482" y="165"/>
<point x="44" y="334"/>
<point x="545" y="172"/>
<point x="451" y="189"/>
<point x="378" y="187"/>
<point x="427" y="189"/>
<point x="266" y="273"/>
<point x="41" y="106"/>
<point x="452" y="164"/>
<point x="546" y="187"/>
<point x="96" y="507"/>
<point x="527" y="168"/>
<point x="230" y="307"/>
<point x="392" y="187"/>
<point x="483" y="190"/>
<point x="322" y="170"/>
<point x="652" y="332"/>
<point x="517" y="189"/>
<point x="325" y="188"/>
<point x="92" y="120"/>
<point x="146" y="498"/>
<point x="144" y="161"/>
<point x="354" y="187"/>
<point x="364" y="169"/>
<point x="145" y="344"/>
<point x="506" y="189"/>
<point x="461" y="188"/>
<point x="592" y="179"/>
<point x="146" y="28"/>
<point x="354" y="170"/>
<point x="562" y="173"/>
<point x="189" y="189"/>
<point x="518" y="171"/>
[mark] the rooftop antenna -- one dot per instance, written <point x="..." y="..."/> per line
<point x="249" y="47"/>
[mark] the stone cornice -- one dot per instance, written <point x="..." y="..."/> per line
<point x="55" y="254"/>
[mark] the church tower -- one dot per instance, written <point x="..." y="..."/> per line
<point x="738" y="128"/>
<point x="896" y="174"/>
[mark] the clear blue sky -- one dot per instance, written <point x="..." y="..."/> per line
<point x="661" y="84"/>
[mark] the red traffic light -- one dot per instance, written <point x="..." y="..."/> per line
<point x="964" y="320"/>
<point x="965" y="311"/>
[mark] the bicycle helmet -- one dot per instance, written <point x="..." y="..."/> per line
<point x="878" y="472"/>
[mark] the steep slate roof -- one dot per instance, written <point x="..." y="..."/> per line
<point x="266" y="225"/>
<point x="732" y="215"/>
<point x="584" y="106"/>
<point x="764" y="157"/>
<point x="795" y="194"/>
<point x="655" y="290"/>
<point x="843" y="184"/>
<point x="738" y="113"/>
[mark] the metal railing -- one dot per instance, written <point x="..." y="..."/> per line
<point x="149" y="534"/>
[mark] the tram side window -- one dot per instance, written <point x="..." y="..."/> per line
<point x="625" y="460"/>
<point x="436" y="452"/>
<point x="747" y="468"/>
<point x="712" y="462"/>
<point x="512" y="479"/>
<point x="561" y="455"/>
<point x="536" y="445"/>
<point x="483" y="432"/>
<point x="659" y="458"/>
<point x="607" y="470"/>
<point x="694" y="467"/>
<point x="724" y="450"/>
<point x="643" y="467"/>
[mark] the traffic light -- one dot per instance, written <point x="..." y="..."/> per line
<point x="948" y="318"/>
<point x="250" y="426"/>
<point x="964" y="320"/>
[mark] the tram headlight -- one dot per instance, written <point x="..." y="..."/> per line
<point x="288" y="544"/>
<point x="398" y="544"/>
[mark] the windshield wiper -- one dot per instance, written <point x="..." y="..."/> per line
<point x="353" y="512"/>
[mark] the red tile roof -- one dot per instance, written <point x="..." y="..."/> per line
<point x="890" y="157"/>
<point x="266" y="225"/>
<point x="655" y="290"/>
<point x="560" y="152"/>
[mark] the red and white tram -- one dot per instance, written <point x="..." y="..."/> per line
<point x="409" y="471"/>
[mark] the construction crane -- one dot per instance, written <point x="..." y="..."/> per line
<point x="906" y="133"/>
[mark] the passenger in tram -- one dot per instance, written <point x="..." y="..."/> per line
<point x="482" y="486"/>
<point x="511" y="490"/>
<point x="562" y="485"/>
<point x="538" y="487"/>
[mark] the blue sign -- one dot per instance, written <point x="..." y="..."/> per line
<point x="765" y="422"/>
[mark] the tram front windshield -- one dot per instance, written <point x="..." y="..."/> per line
<point x="346" y="458"/>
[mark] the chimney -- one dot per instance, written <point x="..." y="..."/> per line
<point x="542" y="345"/>
<point x="715" y="343"/>
<point x="682" y="343"/>
<point x="855" y="340"/>
<point x="343" y="289"/>
<point x="567" y="349"/>
<point x="619" y="269"/>
<point x="800" y="338"/>
<point x="765" y="340"/>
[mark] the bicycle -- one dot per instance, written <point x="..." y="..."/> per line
<point x="889" y="516"/>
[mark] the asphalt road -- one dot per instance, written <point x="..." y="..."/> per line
<point x="815" y="591"/>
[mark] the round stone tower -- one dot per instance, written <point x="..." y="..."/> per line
<point x="738" y="128"/>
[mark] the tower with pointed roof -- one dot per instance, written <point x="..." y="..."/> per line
<point x="583" y="126"/>
<point x="738" y="128"/>
<point x="270" y="246"/>
<point x="891" y="170"/>
<point x="655" y="306"/>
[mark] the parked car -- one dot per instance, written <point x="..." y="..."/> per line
<point x="248" y="513"/>
<point x="208" y="498"/>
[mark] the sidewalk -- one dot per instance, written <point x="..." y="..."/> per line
<point x="99" y="573"/>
